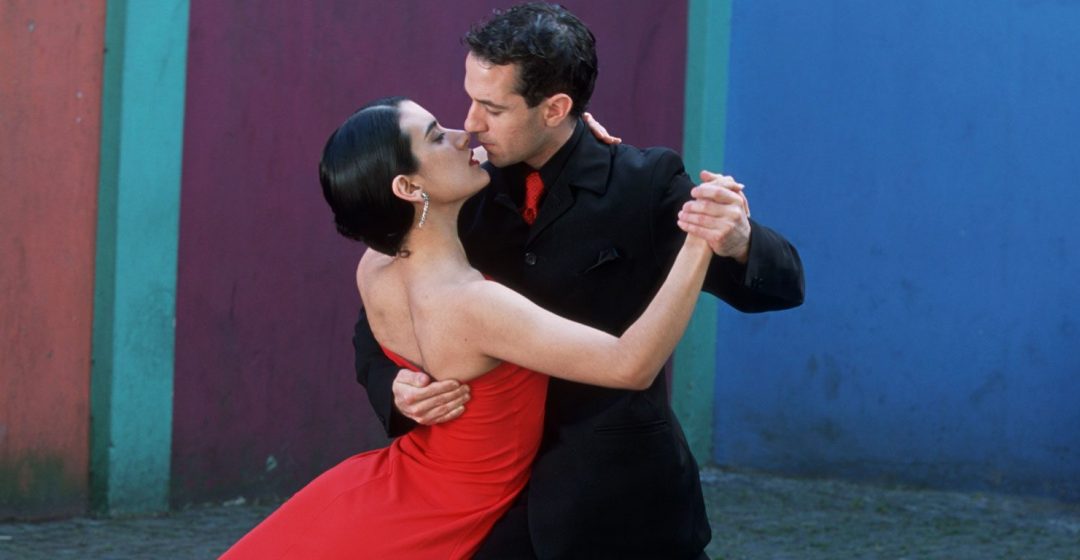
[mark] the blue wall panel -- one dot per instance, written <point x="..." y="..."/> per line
<point x="923" y="158"/>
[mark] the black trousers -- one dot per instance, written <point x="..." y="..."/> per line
<point x="509" y="538"/>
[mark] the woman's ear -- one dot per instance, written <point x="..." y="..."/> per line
<point x="557" y="109"/>
<point x="405" y="189"/>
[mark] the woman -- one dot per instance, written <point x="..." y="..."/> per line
<point x="396" y="180"/>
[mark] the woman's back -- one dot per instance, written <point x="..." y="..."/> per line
<point x="419" y="317"/>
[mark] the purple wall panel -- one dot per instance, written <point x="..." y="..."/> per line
<point x="265" y="391"/>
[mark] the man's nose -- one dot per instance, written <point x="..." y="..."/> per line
<point x="472" y="122"/>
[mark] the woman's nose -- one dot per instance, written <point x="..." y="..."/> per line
<point x="461" y="139"/>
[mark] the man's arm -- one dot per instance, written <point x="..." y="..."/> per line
<point x="772" y="276"/>
<point x="771" y="279"/>
<point x="376" y="373"/>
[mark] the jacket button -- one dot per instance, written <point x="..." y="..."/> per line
<point x="530" y="259"/>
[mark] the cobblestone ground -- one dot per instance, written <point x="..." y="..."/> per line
<point x="764" y="517"/>
<point x="754" y="517"/>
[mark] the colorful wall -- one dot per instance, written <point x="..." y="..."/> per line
<point x="922" y="156"/>
<point x="176" y="308"/>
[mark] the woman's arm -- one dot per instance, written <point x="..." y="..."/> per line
<point x="510" y="327"/>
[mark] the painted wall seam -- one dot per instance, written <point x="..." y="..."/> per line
<point x="708" y="35"/>
<point x="138" y="227"/>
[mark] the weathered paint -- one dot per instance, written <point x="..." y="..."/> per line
<point x="708" y="31"/>
<point x="922" y="156"/>
<point x="50" y="78"/>
<point x="265" y="390"/>
<point x="135" y="285"/>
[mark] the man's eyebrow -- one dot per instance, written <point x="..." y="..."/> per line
<point x="429" y="128"/>
<point x="492" y="105"/>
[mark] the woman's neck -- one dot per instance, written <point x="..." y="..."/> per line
<point x="437" y="244"/>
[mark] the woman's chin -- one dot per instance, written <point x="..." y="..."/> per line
<point x="481" y="183"/>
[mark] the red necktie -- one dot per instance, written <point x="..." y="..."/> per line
<point x="534" y="187"/>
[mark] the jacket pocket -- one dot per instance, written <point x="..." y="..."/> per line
<point x="603" y="257"/>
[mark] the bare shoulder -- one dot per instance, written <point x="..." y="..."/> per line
<point x="450" y="303"/>
<point x="452" y="318"/>
<point x="460" y="293"/>
<point x="480" y="299"/>
<point x="478" y="288"/>
<point x="371" y="268"/>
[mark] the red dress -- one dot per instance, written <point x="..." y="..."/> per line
<point x="434" y="493"/>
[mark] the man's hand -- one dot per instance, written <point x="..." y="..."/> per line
<point x="428" y="402"/>
<point x="719" y="213"/>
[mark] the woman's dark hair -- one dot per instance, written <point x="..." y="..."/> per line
<point x="358" y="165"/>
<point x="553" y="50"/>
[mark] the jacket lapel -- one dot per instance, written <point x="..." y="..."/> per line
<point x="587" y="168"/>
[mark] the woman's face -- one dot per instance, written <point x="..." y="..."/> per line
<point x="448" y="171"/>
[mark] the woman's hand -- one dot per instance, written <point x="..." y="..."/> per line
<point x="695" y="242"/>
<point x="599" y="131"/>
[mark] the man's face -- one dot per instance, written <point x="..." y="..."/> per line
<point x="503" y="123"/>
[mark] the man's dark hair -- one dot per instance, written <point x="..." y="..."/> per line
<point x="358" y="165"/>
<point x="553" y="50"/>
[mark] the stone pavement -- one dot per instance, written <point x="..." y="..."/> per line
<point x="774" y="518"/>
<point x="754" y="517"/>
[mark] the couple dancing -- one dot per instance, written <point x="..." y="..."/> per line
<point x="480" y="279"/>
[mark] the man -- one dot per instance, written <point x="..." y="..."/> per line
<point x="589" y="235"/>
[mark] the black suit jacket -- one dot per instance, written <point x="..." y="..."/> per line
<point x="614" y="476"/>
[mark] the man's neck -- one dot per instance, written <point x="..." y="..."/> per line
<point x="561" y="135"/>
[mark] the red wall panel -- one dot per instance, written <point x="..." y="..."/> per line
<point x="50" y="82"/>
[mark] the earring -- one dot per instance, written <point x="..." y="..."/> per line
<point x="423" y="213"/>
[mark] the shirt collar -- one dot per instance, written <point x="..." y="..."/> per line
<point x="551" y="170"/>
<point x="513" y="184"/>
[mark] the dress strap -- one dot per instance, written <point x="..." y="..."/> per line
<point x="397" y="359"/>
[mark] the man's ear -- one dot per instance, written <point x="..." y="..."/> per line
<point x="557" y="109"/>
<point x="405" y="189"/>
